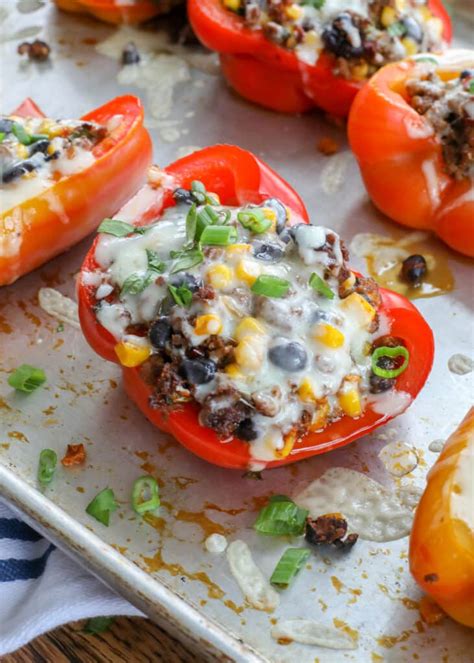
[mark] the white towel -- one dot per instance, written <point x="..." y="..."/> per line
<point x="41" y="588"/>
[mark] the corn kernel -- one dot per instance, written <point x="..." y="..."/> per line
<point x="348" y="283"/>
<point x="294" y="12"/>
<point x="249" y="353"/>
<point x="234" y="371"/>
<point x="234" y="5"/>
<point x="306" y="391"/>
<point x="388" y="16"/>
<point x="207" y="324"/>
<point x="247" y="271"/>
<point x="328" y="335"/>
<point x="400" y="5"/>
<point x="410" y="46"/>
<point x="320" y="417"/>
<point x="349" y="400"/>
<point x="359" y="71"/>
<point x="131" y="355"/>
<point x="248" y="326"/>
<point x="425" y="13"/>
<point x="22" y="151"/>
<point x="290" y="441"/>
<point x="219" y="276"/>
<point x="238" y="249"/>
<point x="359" y="307"/>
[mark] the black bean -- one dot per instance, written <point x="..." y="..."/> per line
<point x="6" y="125"/>
<point x="341" y="39"/>
<point x="280" y="211"/>
<point x="191" y="282"/>
<point x="246" y="430"/>
<point x="379" y="384"/>
<point x="466" y="73"/>
<point x="183" y="196"/>
<point x="412" y="29"/>
<point x="414" y="269"/>
<point x="198" y="371"/>
<point x="17" y="170"/>
<point x="268" y="252"/>
<point x="290" y="356"/>
<point x="160" y="332"/>
<point x="40" y="146"/>
<point x="130" y="54"/>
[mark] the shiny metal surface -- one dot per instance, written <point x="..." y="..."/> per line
<point x="160" y="563"/>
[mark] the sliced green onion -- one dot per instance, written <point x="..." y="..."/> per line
<point x="280" y="498"/>
<point x="98" y="625"/>
<point x="317" y="4"/>
<point x="154" y="262"/>
<point x="135" y="284"/>
<point x="426" y="58"/>
<point x="270" y="286"/>
<point x="2" y="136"/>
<point x="27" y="378"/>
<point x="218" y="235"/>
<point x="48" y="460"/>
<point x="145" y="496"/>
<point x="102" y="506"/>
<point x="196" y="185"/>
<point x="288" y="566"/>
<point x="254" y="220"/>
<point x="385" y="351"/>
<point x="317" y="283"/>
<point x="281" y="517"/>
<point x="396" y="29"/>
<point x="191" y="223"/>
<point x="186" y="259"/>
<point x="36" y="137"/>
<point x="115" y="227"/>
<point x="20" y="132"/>
<point x="181" y="295"/>
<point x="470" y="87"/>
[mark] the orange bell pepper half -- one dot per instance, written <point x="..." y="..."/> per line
<point x="238" y="177"/>
<point x="44" y="226"/>
<point x="401" y="158"/>
<point x="442" y="539"/>
<point x="112" y="11"/>
<point x="270" y="75"/>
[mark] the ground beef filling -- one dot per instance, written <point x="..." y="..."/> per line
<point x="449" y="108"/>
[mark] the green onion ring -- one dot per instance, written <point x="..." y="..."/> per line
<point x="385" y="351"/>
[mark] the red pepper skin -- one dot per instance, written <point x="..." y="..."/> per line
<point x="111" y="11"/>
<point x="239" y="177"/>
<point x="394" y="145"/>
<point x="270" y="75"/>
<point x="81" y="200"/>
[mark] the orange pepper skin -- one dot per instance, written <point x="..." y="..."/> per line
<point x="272" y="76"/>
<point x="442" y="538"/>
<point x="238" y="177"/>
<point x="110" y="11"/>
<point x="44" y="226"/>
<point x="401" y="160"/>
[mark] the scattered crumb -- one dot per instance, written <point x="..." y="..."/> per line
<point x="36" y="50"/>
<point x="328" y="146"/>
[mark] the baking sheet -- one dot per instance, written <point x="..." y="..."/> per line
<point x="159" y="563"/>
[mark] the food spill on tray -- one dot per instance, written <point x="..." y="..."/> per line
<point x="248" y="314"/>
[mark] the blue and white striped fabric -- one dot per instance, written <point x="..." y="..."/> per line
<point x="41" y="588"/>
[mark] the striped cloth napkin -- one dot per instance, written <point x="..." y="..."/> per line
<point x="41" y="588"/>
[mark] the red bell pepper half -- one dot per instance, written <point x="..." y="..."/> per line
<point x="44" y="226"/>
<point x="270" y="75"/>
<point x="238" y="177"/>
<point x="401" y="158"/>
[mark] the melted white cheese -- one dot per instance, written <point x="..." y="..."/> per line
<point x="398" y="458"/>
<point x="256" y="589"/>
<point x="215" y="543"/>
<point x="59" y="306"/>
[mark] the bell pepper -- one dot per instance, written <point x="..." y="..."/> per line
<point x="442" y="538"/>
<point x="115" y="11"/>
<point x="401" y="159"/>
<point x="238" y="177"/>
<point x="66" y="212"/>
<point x="270" y="75"/>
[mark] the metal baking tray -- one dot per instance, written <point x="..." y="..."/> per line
<point x="160" y="563"/>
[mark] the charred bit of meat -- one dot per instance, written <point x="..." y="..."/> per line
<point x="36" y="50"/>
<point x="330" y="529"/>
<point x="224" y="411"/>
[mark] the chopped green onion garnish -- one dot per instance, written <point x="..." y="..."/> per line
<point x="135" y="284"/>
<point x="281" y="517"/>
<point x="317" y="283"/>
<point x="191" y="223"/>
<point x="2" y="136"/>
<point x="98" y="625"/>
<point x="145" y="495"/>
<point x="317" y="4"/>
<point x="219" y="235"/>
<point x="270" y="286"/>
<point x="102" y="506"/>
<point x="470" y="87"/>
<point x="27" y="378"/>
<point x="154" y="262"/>
<point x="288" y="566"/>
<point x="196" y="185"/>
<point x="186" y="259"/>
<point x="115" y="227"/>
<point x="181" y="295"/>
<point x="254" y="220"/>
<point x="426" y="58"/>
<point x="396" y="29"/>
<point x="20" y="132"/>
<point x="36" y="137"/>
<point x="280" y="498"/>
<point x="385" y="351"/>
<point x="47" y="466"/>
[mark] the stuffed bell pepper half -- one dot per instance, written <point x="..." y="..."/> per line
<point x="412" y="131"/>
<point x="293" y="56"/>
<point x="59" y="178"/>
<point x="240" y="328"/>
